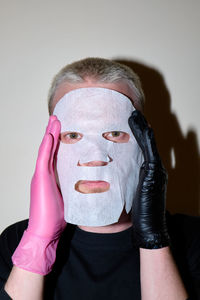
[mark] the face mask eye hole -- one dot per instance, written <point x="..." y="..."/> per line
<point x="116" y="136"/>
<point x="70" y="137"/>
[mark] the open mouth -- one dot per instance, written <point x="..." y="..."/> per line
<point x="91" y="186"/>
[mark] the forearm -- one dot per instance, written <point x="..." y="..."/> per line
<point x="24" y="285"/>
<point x="160" y="278"/>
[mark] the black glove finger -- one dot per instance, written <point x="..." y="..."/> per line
<point x="144" y="136"/>
<point x="138" y="125"/>
<point x="151" y="148"/>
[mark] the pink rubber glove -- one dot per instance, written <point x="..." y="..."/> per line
<point x="36" y="251"/>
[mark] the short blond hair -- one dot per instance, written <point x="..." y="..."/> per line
<point x="100" y="70"/>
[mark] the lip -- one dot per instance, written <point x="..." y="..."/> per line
<point x="92" y="186"/>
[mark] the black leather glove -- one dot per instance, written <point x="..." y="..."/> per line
<point x="148" y="210"/>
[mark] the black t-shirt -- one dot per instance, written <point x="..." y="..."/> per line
<point x="106" y="266"/>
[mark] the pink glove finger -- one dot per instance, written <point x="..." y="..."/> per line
<point x="44" y="154"/>
<point x="51" y="120"/>
<point x="46" y="151"/>
<point x="55" y="132"/>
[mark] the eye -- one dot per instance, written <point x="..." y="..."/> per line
<point x="70" y="137"/>
<point x="115" y="133"/>
<point x="116" y="136"/>
<point x="73" y="135"/>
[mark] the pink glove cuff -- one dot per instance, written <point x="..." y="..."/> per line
<point x="35" y="254"/>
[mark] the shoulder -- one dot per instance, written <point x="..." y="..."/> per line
<point x="10" y="237"/>
<point x="9" y="240"/>
<point x="183" y="229"/>
<point x="15" y="229"/>
<point x="184" y="233"/>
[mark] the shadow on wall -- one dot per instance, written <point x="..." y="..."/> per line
<point x="183" y="175"/>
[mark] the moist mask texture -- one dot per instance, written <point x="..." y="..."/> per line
<point x="99" y="116"/>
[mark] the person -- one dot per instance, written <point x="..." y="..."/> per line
<point x="107" y="236"/>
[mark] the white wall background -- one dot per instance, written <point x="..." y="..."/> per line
<point x="39" y="37"/>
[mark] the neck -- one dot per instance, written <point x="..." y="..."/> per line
<point x="123" y="224"/>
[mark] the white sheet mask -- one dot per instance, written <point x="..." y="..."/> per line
<point x="91" y="112"/>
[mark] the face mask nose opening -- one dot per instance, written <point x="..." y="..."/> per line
<point x="95" y="163"/>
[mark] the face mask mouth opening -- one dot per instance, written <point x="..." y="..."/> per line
<point x="92" y="186"/>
